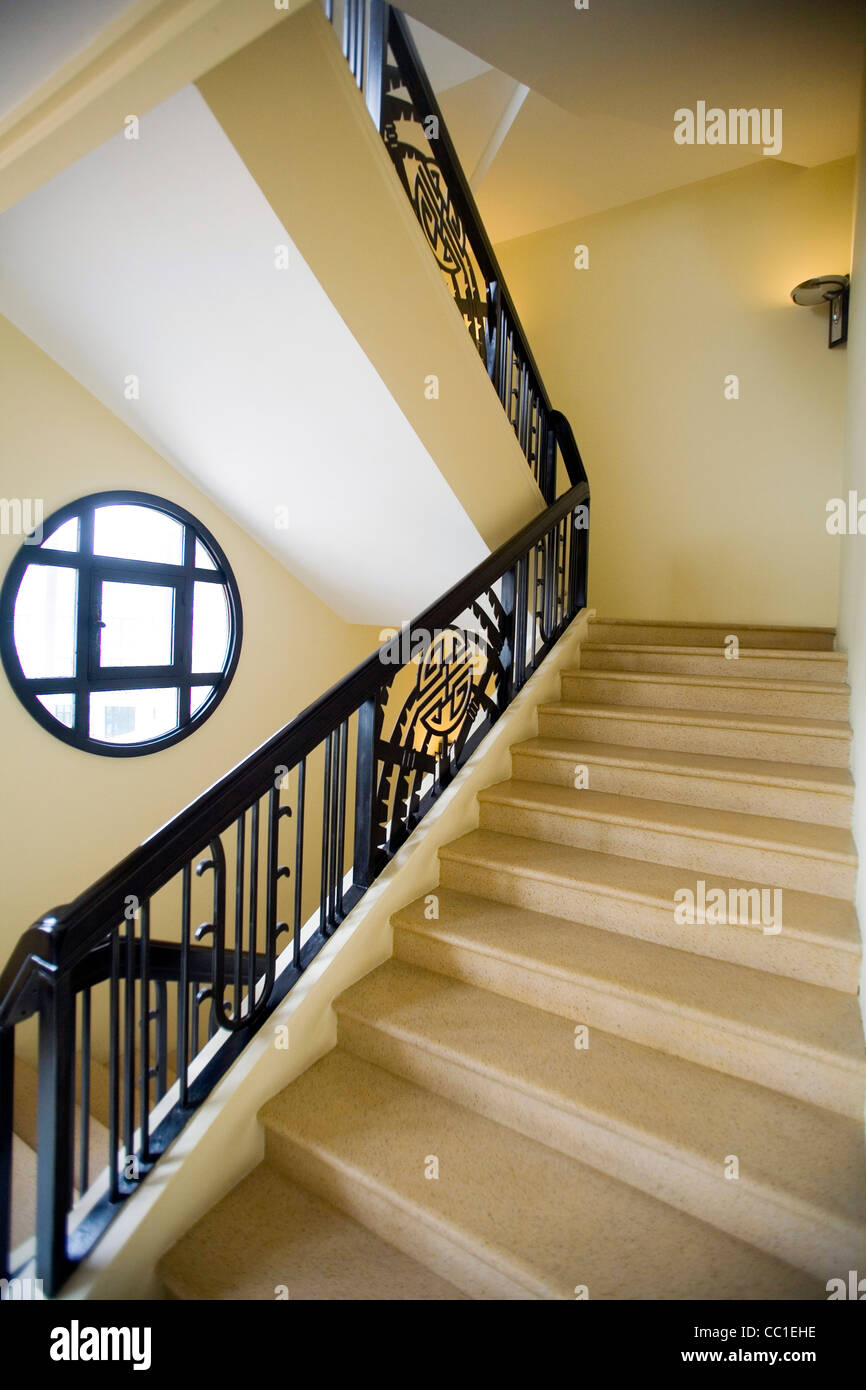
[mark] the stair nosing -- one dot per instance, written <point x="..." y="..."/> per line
<point x="777" y="684"/>
<point x="673" y="762"/>
<point x="477" y="857"/>
<point x="798" y="725"/>
<point x="612" y="1121"/>
<point x="496" y="795"/>
<point x="844" y="1061"/>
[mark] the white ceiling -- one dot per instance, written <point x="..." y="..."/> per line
<point x="596" y="130"/>
<point x="37" y="37"/>
<point x="156" y="258"/>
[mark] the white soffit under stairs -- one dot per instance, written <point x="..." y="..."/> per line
<point x="155" y="258"/>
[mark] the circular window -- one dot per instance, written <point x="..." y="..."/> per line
<point x="120" y="623"/>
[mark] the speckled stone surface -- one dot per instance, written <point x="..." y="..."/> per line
<point x="696" y="634"/>
<point x="794" y="791"/>
<point x="270" y="1238"/>
<point x="457" y="1121"/>
<point x="819" y="941"/>
<point x="820" y="666"/>
<point x="662" y="1123"/>
<point x="539" y="1221"/>
<point x="800" y="1039"/>
<point x="780" y="738"/>
<point x="731" y="691"/>
<point x="761" y="849"/>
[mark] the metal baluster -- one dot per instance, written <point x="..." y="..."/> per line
<point x="341" y="816"/>
<point x="239" y="909"/>
<point x="252" y="940"/>
<point x="56" y="1118"/>
<point x="84" y="1104"/>
<point x="114" y="1065"/>
<point x="299" y="863"/>
<point x="365" y="793"/>
<point x="144" y="1030"/>
<point x="326" y="825"/>
<point x="161" y="1067"/>
<point x="129" y="1044"/>
<point x="183" y="989"/>
<point x="7" y="1120"/>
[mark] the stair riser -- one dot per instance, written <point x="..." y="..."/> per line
<point x="754" y="798"/>
<point x="715" y="664"/>
<point x="712" y="635"/>
<point x="810" y="749"/>
<point x="766" y="1060"/>
<point x="744" y="1209"/>
<point x="783" y="955"/>
<point x="403" y="1226"/>
<point x="778" y="868"/>
<point x="733" y="699"/>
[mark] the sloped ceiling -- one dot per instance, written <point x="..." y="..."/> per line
<point x="156" y="259"/>
<point x="597" y="128"/>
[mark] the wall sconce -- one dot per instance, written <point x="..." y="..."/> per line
<point x="832" y="290"/>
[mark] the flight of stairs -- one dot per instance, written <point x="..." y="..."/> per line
<point x="553" y="1089"/>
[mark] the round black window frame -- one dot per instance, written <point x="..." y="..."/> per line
<point x="97" y="567"/>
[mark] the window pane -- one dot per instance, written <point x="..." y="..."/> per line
<point x="210" y="627"/>
<point x="137" y="533"/>
<point x="45" y="618"/>
<point x="132" y="716"/>
<point x="61" y="706"/>
<point x="203" y="560"/>
<point x="199" y="693"/>
<point x="139" y="622"/>
<point x="64" y="538"/>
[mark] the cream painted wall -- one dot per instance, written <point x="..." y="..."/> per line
<point x="703" y="508"/>
<point x="67" y="816"/>
<point x="852" y="588"/>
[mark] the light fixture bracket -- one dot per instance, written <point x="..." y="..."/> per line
<point x="832" y="290"/>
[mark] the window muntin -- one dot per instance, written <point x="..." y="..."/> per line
<point x="122" y="630"/>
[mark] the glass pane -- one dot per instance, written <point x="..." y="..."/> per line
<point x="199" y="693"/>
<point x="139" y="624"/>
<point x="210" y="627"/>
<point x="61" y="706"/>
<point x="45" y="618"/>
<point x="64" y="538"/>
<point x="132" y="716"/>
<point x="137" y="533"/>
<point x="203" y="560"/>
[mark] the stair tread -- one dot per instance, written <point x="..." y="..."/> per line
<point x="785" y="1147"/>
<point x="676" y="625"/>
<point x="810" y="1018"/>
<point x="740" y="827"/>
<point x="809" y="916"/>
<point x="268" y="1233"/>
<point x="794" y="775"/>
<point x="728" y="719"/>
<point x="771" y="683"/>
<point x="759" y="653"/>
<point x="547" y="1221"/>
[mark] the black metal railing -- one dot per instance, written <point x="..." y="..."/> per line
<point x="145" y="989"/>
<point x="385" y="63"/>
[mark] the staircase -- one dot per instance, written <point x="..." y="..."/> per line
<point x="556" y="1089"/>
